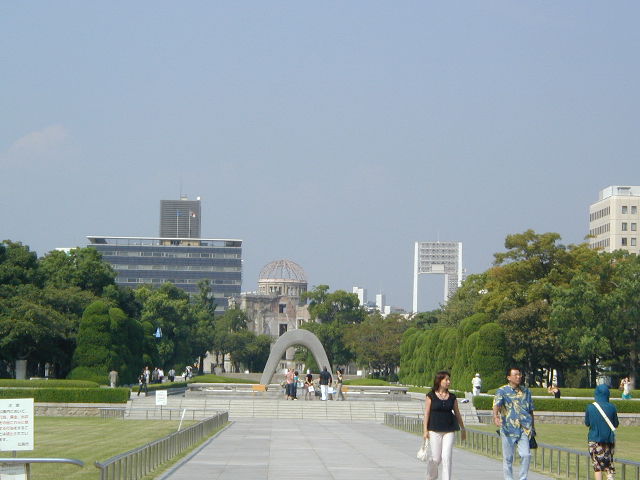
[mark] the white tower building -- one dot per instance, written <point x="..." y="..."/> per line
<point x="443" y="258"/>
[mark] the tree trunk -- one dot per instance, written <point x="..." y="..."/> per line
<point x="593" y="372"/>
<point x="633" y="364"/>
<point x="201" y="365"/>
<point x="560" y="377"/>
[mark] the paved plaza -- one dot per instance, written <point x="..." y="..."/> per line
<point x="255" y="449"/>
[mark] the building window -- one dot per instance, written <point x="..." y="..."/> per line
<point x="624" y="241"/>
<point x="634" y="209"/>
<point x="624" y="209"/>
<point x="633" y="242"/>
<point x="624" y="226"/>
<point x="283" y="328"/>
<point x="282" y="307"/>
<point x="634" y="227"/>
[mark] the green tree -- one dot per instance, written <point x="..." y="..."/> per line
<point x="376" y="342"/>
<point x="18" y="266"/>
<point x="225" y="340"/>
<point x="32" y="331"/>
<point x="204" y="329"/>
<point x="338" y="306"/>
<point x="331" y="336"/>
<point x="81" y="267"/>
<point x="625" y="325"/>
<point x="489" y="357"/>
<point x="107" y="340"/>
<point x="167" y="308"/>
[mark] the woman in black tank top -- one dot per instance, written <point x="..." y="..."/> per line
<point x="441" y="419"/>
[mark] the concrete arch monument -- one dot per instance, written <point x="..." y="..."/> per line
<point x="289" y="339"/>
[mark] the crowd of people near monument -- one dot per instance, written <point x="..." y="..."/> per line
<point x="324" y="387"/>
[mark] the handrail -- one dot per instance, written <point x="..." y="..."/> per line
<point x="559" y="461"/>
<point x="140" y="461"/>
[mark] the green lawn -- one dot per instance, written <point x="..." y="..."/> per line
<point x="89" y="439"/>
<point x="575" y="436"/>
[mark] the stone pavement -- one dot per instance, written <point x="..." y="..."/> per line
<point x="255" y="449"/>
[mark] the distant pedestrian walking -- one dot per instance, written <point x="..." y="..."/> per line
<point x="325" y="380"/>
<point x="625" y="386"/>
<point x="309" y="390"/>
<point x="294" y="386"/>
<point x="476" y="383"/>
<point x="143" y="381"/>
<point x="441" y="419"/>
<point x="602" y="419"/>
<point x="513" y="413"/>
<point x="339" y="380"/>
<point x="554" y="390"/>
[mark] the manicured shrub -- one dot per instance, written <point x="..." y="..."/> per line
<point x="574" y="392"/>
<point x="560" y="405"/>
<point x="89" y="374"/>
<point x="489" y="356"/>
<point x="69" y="395"/>
<point x="211" y="378"/>
<point x="367" y="382"/>
<point x="47" y="383"/>
<point x="163" y="386"/>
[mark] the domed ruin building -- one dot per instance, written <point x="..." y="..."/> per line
<point x="277" y="306"/>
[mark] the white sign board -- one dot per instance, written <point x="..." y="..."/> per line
<point x="16" y="424"/>
<point x="161" y="397"/>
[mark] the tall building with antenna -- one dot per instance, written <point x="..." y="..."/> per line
<point x="180" y="218"/>
<point x="179" y="255"/>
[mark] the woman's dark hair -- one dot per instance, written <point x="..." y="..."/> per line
<point x="441" y="375"/>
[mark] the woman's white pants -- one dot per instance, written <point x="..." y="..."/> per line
<point x="441" y="449"/>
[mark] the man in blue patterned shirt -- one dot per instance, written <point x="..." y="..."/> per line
<point x="513" y="413"/>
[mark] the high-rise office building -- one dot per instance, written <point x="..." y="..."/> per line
<point x="181" y="257"/>
<point x="180" y="218"/>
<point x="614" y="219"/>
<point x="183" y="262"/>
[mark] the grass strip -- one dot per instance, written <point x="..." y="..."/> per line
<point x="89" y="439"/>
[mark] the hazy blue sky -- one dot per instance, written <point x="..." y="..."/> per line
<point x="334" y="134"/>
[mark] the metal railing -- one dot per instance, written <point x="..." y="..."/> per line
<point x="170" y="413"/>
<point x="558" y="461"/>
<point x="140" y="461"/>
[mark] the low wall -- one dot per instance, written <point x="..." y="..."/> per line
<point x="74" y="409"/>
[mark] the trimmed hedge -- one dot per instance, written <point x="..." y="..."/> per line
<point x="561" y="405"/>
<point x="161" y="386"/>
<point x="47" y="383"/>
<point x="575" y="392"/>
<point x="211" y="378"/>
<point x="368" y="382"/>
<point x="69" y="395"/>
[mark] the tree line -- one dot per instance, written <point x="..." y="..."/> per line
<point x="64" y="310"/>
<point x="543" y="306"/>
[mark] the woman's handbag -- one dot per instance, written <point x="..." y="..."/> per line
<point x="423" y="452"/>
<point x="533" y="444"/>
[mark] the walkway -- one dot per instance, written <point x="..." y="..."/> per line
<point x="256" y="449"/>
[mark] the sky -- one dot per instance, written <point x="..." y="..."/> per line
<point x="334" y="134"/>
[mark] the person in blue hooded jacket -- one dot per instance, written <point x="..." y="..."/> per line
<point x="602" y="439"/>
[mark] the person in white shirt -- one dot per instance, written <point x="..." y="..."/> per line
<point x="476" y="382"/>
